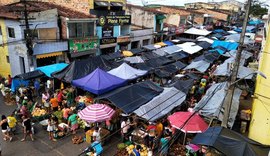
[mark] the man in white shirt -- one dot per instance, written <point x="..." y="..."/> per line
<point x="124" y="129"/>
<point x="96" y="134"/>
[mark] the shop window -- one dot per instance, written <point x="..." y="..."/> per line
<point x="7" y="57"/>
<point x="124" y="30"/>
<point x="11" y="32"/>
<point x="145" y="42"/>
<point x="81" y="29"/>
<point x="135" y="44"/>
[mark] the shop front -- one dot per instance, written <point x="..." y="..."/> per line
<point x="123" y="42"/>
<point x="83" y="47"/>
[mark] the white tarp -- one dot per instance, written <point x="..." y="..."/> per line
<point x="127" y="72"/>
<point x="201" y="66"/>
<point x="161" y="104"/>
<point x="135" y="59"/>
<point x="167" y="50"/>
<point x="236" y="38"/>
<point x="194" y="31"/>
<point x="232" y="32"/>
<point x="190" y="47"/>
<point x="223" y="69"/>
<point x="211" y="105"/>
<point x="202" y="38"/>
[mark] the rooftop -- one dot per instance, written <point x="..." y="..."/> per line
<point x="13" y="10"/>
<point x="153" y="10"/>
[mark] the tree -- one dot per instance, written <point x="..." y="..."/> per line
<point x="258" y="9"/>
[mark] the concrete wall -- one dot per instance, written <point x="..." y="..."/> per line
<point x="141" y="17"/>
<point x="4" y="65"/>
<point x="140" y="35"/>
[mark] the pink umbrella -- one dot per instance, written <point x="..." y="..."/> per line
<point x="96" y="113"/>
<point x="194" y="125"/>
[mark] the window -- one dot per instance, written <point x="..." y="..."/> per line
<point x="183" y="20"/>
<point x="11" y="33"/>
<point x="125" y="30"/>
<point x="146" y="42"/>
<point x="81" y="29"/>
<point x="7" y="57"/>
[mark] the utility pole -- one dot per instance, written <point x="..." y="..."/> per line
<point x="231" y="87"/>
<point x="28" y="34"/>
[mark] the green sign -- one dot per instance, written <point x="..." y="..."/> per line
<point x="82" y="44"/>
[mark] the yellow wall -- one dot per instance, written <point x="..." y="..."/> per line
<point x="260" y="122"/>
<point x="4" y="65"/>
<point x="91" y="2"/>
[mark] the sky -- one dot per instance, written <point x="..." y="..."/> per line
<point x="177" y="2"/>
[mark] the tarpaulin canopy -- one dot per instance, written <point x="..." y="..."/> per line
<point x="160" y="52"/>
<point x="162" y="73"/>
<point x="200" y="32"/>
<point x="188" y="122"/>
<point x="162" y="44"/>
<point x="151" y="47"/>
<point x="230" y="142"/>
<point x="190" y="47"/>
<point x="136" y="50"/>
<point x="170" y="68"/>
<point x="169" y="43"/>
<point x="222" y="70"/>
<point x="135" y="59"/>
<point x="143" y="66"/>
<point x="192" y="76"/>
<point x="251" y="29"/>
<point x="184" y="85"/>
<point x="127" y="53"/>
<point x="182" y="39"/>
<point x="30" y="75"/>
<point x="211" y="105"/>
<point x="227" y="45"/>
<point x="149" y="55"/>
<point x="177" y="56"/>
<point x="201" y="66"/>
<point x="159" y="61"/>
<point x="112" y="56"/>
<point x="245" y="54"/>
<point x="80" y="68"/>
<point x="208" y="57"/>
<point x="167" y="50"/>
<point x="127" y="72"/>
<point x="201" y="38"/>
<point x="218" y="36"/>
<point x="131" y="97"/>
<point x="48" y="70"/>
<point x="236" y="38"/>
<point x="204" y="44"/>
<point x="179" y="65"/>
<point x="161" y="104"/>
<point x="232" y="32"/>
<point x="99" y="82"/>
<point x="17" y="83"/>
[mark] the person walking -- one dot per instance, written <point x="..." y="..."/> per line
<point x="27" y="128"/>
<point x="5" y="128"/>
<point x="12" y="122"/>
<point x="37" y="87"/>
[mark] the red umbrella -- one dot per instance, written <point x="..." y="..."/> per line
<point x="195" y="124"/>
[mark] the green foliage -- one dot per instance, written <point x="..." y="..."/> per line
<point x="258" y="10"/>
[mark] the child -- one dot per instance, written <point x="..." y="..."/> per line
<point x="51" y="128"/>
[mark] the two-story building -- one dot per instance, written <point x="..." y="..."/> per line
<point x="59" y="34"/>
<point x="113" y="26"/>
<point x="150" y="23"/>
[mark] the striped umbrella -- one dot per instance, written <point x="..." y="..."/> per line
<point x="96" y="113"/>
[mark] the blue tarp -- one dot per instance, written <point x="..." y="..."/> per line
<point x="255" y="22"/>
<point x="48" y="70"/>
<point x="250" y="29"/>
<point x="228" y="45"/>
<point x="169" y="43"/>
<point x="17" y="83"/>
<point x="99" y="82"/>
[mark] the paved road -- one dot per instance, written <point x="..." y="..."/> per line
<point x="42" y="146"/>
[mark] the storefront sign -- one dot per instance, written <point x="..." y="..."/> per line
<point x="123" y="39"/>
<point x="107" y="31"/>
<point x="108" y="40"/>
<point x="114" y="20"/>
<point x="82" y="44"/>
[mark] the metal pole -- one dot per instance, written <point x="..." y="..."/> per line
<point x="231" y="85"/>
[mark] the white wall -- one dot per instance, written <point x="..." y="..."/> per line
<point x="141" y="17"/>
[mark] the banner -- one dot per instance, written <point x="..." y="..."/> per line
<point x="82" y="44"/>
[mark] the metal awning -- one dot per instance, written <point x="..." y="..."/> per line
<point x="102" y="4"/>
<point x="117" y="4"/>
<point x="89" y="52"/>
<point x="40" y="56"/>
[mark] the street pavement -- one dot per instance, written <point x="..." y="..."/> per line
<point x="42" y="146"/>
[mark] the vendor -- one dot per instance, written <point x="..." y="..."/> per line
<point x="96" y="134"/>
<point x="54" y="103"/>
<point x="73" y="122"/>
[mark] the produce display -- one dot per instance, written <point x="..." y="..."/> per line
<point x="77" y="140"/>
<point x="84" y="99"/>
<point x="177" y="149"/>
<point x="37" y="112"/>
<point x="143" y="151"/>
<point x="121" y="152"/>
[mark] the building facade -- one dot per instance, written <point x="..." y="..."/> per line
<point x="113" y="26"/>
<point x="4" y="57"/>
